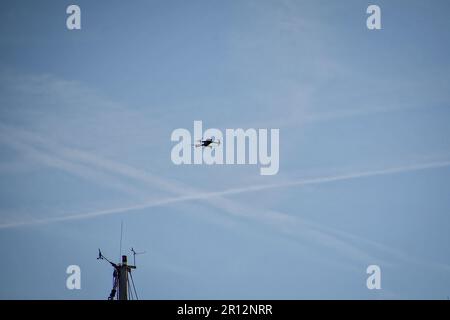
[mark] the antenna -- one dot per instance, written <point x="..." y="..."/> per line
<point x="122" y="270"/>
<point x="121" y="235"/>
<point x="135" y="254"/>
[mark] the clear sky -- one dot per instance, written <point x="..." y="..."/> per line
<point x="85" y="124"/>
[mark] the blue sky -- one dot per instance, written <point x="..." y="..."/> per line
<point x="85" y="124"/>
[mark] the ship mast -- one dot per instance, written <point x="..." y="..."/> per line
<point x="121" y="279"/>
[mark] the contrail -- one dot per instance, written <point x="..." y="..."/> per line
<point x="285" y="224"/>
<point x="73" y="168"/>
<point x="354" y="175"/>
<point x="84" y="157"/>
<point x="233" y="191"/>
<point x="77" y="161"/>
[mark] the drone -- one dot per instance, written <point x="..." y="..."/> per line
<point x="206" y="143"/>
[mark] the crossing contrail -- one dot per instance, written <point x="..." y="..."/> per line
<point x="231" y="192"/>
<point x="80" y="163"/>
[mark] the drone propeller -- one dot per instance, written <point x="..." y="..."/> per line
<point x="215" y="141"/>
<point x="100" y="256"/>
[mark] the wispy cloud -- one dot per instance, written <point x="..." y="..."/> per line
<point x="239" y="190"/>
<point x="110" y="173"/>
<point x="212" y="197"/>
<point x="62" y="157"/>
<point x="74" y="168"/>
